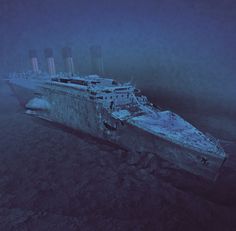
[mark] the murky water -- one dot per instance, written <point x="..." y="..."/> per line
<point x="53" y="178"/>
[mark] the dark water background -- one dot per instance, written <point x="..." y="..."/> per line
<point x="180" y="53"/>
<point x="182" y="50"/>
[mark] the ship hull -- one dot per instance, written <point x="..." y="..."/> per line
<point x="139" y="140"/>
<point x="90" y="117"/>
<point x="22" y="94"/>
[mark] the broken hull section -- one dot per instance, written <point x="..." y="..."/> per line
<point x="92" y="118"/>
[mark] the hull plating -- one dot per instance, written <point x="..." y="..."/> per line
<point x="23" y="94"/>
<point x="90" y="117"/>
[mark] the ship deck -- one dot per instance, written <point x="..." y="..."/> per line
<point x="172" y="127"/>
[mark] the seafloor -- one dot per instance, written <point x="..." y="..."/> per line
<point x="53" y="178"/>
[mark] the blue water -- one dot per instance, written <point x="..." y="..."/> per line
<point x="181" y="53"/>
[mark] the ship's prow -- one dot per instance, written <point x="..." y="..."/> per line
<point x="177" y="141"/>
